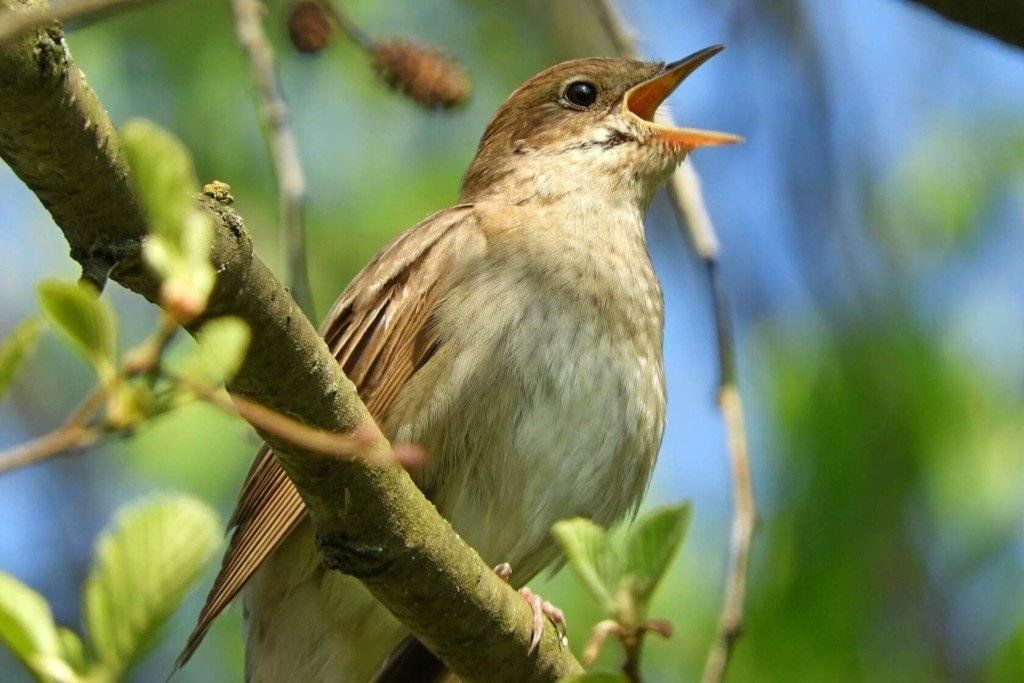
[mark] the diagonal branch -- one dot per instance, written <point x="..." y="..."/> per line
<point x="692" y="213"/>
<point x="14" y="23"/>
<point x="57" y="138"/>
<point x="284" y="151"/>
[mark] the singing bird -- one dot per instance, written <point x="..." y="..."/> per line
<point x="516" y="337"/>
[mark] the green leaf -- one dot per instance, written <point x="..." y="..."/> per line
<point x="650" y="544"/>
<point x="178" y="248"/>
<point x="622" y="567"/>
<point x="143" y="566"/>
<point x="586" y="546"/>
<point x="26" y="625"/>
<point x="83" y="318"/>
<point x="72" y="650"/>
<point x="162" y="171"/>
<point x="15" y="348"/>
<point x="220" y="349"/>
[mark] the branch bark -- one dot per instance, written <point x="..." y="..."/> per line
<point x="372" y="523"/>
<point x="15" y="22"/>
<point x="1002" y="19"/>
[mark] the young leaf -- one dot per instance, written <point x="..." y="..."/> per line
<point x="178" y="249"/>
<point x="72" y="650"/>
<point x="650" y="544"/>
<point x="14" y="349"/>
<point x="141" y="571"/>
<point x="53" y="669"/>
<point x="586" y="547"/>
<point x="161" y="168"/>
<point x="26" y="624"/>
<point x="219" y="352"/>
<point x="83" y="318"/>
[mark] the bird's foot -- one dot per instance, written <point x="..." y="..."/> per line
<point x="541" y="608"/>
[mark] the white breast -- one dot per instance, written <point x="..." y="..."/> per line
<point x="547" y="396"/>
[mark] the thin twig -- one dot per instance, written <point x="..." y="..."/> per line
<point x="60" y="441"/>
<point x="291" y="181"/>
<point x="71" y="435"/>
<point x="288" y="429"/>
<point x="688" y="203"/>
<point x="348" y="27"/>
<point x="14" y="23"/>
<point x="632" y="645"/>
<point x="598" y="635"/>
<point x="730" y="623"/>
<point x="75" y="433"/>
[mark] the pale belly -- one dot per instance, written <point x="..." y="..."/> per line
<point x="562" y="419"/>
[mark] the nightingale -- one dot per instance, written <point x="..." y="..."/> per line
<point x="516" y="337"/>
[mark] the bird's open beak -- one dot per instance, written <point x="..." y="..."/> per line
<point x="643" y="100"/>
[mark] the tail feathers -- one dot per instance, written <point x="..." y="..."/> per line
<point x="253" y="540"/>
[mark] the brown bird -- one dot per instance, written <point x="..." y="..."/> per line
<point x="516" y="337"/>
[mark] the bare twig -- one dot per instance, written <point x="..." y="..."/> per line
<point x="288" y="429"/>
<point x="420" y="71"/>
<point x="688" y="203"/>
<point x="632" y="644"/>
<point x="631" y="638"/>
<point x="60" y="441"/>
<point x="598" y="635"/>
<point x="291" y="181"/>
<point x="15" y="22"/>
<point x="730" y="623"/>
<point x="75" y="433"/>
<point x="71" y="435"/>
<point x="348" y="27"/>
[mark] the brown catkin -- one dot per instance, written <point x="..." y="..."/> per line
<point x="309" y="26"/>
<point x="421" y="72"/>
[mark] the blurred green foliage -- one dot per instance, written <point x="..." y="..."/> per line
<point x="933" y="205"/>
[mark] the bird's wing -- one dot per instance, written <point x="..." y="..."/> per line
<point x="378" y="331"/>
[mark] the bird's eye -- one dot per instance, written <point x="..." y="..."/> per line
<point x="580" y="94"/>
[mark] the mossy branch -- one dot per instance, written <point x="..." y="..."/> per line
<point x="373" y="523"/>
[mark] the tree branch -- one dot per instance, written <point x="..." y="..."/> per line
<point x="57" y="138"/>
<point x="691" y="211"/>
<point x="1002" y="19"/>
<point x="16" y="22"/>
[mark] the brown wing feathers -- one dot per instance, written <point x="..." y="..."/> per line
<point x="375" y="331"/>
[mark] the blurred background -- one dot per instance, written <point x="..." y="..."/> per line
<point x="872" y="236"/>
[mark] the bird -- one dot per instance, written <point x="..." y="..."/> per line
<point x="516" y="337"/>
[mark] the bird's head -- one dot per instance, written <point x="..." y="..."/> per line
<point x="588" y="123"/>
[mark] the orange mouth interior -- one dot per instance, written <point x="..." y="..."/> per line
<point x="643" y="100"/>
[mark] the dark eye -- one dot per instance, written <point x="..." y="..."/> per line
<point x="581" y="94"/>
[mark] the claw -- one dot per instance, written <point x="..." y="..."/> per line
<point x="537" y="605"/>
<point x="541" y="608"/>
<point x="557" y="618"/>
